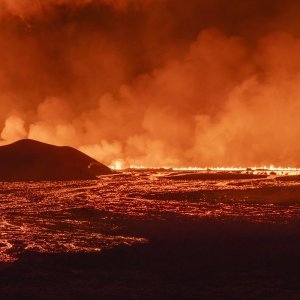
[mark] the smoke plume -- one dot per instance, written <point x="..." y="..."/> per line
<point x="154" y="83"/>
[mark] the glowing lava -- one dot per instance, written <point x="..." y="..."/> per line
<point x="118" y="165"/>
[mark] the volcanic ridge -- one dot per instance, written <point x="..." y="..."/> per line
<point x="30" y="160"/>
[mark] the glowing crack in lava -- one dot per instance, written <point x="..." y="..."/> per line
<point x="118" y="165"/>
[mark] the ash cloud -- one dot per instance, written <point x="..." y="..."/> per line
<point x="154" y="82"/>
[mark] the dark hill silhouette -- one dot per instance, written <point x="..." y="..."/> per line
<point x="29" y="160"/>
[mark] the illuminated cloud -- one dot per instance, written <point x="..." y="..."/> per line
<point x="170" y="83"/>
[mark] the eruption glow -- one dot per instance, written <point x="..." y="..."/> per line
<point x="268" y="169"/>
<point x="157" y="82"/>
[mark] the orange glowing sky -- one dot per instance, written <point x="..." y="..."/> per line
<point x="157" y="82"/>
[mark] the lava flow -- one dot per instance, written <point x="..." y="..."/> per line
<point x="89" y="216"/>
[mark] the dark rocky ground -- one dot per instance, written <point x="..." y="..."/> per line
<point x="184" y="259"/>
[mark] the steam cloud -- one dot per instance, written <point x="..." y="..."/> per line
<point x="156" y="82"/>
